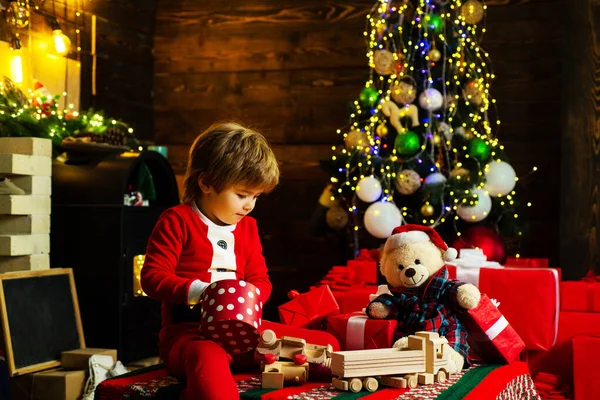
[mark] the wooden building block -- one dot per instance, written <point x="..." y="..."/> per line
<point x="79" y="358"/>
<point x="22" y="245"/>
<point x="50" y="385"/>
<point x="28" y="146"/>
<point x="18" y="164"/>
<point x="425" y="379"/>
<point x="33" y="262"/>
<point x="272" y="380"/>
<point x="41" y="185"/>
<point x="24" y="224"/>
<point x="24" y="205"/>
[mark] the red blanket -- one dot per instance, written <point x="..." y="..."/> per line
<point x="484" y="382"/>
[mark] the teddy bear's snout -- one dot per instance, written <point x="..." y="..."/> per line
<point x="410" y="272"/>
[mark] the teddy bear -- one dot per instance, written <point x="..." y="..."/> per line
<point x="423" y="298"/>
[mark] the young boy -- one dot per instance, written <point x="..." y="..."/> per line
<point x="206" y="239"/>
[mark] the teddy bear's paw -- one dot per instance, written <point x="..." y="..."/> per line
<point x="401" y="343"/>
<point x="378" y="310"/>
<point x="468" y="296"/>
<point x="457" y="361"/>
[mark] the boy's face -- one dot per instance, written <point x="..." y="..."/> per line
<point x="230" y="205"/>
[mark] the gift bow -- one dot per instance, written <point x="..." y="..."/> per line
<point x="469" y="263"/>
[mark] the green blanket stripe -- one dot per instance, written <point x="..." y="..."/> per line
<point x="467" y="383"/>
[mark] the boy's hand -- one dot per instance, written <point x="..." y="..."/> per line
<point x="195" y="292"/>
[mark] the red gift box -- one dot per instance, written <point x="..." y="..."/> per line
<point x="586" y="352"/>
<point x="231" y="315"/>
<point x="309" y="309"/>
<point x="559" y="359"/>
<point x="581" y="295"/>
<point x="521" y="262"/>
<point x="356" y="299"/>
<point x="356" y="331"/>
<point x="494" y="340"/>
<point x="528" y="297"/>
<point x="363" y="272"/>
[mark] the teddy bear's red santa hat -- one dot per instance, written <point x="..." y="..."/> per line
<point x="412" y="233"/>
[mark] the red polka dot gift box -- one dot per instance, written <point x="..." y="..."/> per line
<point x="231" y="315"/>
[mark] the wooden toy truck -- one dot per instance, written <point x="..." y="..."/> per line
<point x="275" y="372"/>
<point x="425" y="360"/>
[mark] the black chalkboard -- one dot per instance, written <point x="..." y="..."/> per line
<point x="40" y="318"/>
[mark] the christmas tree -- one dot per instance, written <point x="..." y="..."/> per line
<point x="420" y="146"/>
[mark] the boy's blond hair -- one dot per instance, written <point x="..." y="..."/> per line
<point x="229" y="154"/>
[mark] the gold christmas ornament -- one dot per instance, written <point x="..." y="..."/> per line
<point x="449" y="101"/>
<point x="435" y="55"/>
<point x="474" y="92"/>
<point x="427" y="210"/>
<point x="472" y="11"/>
<point x="356" y="138"/>
<point x="17" y="14"/>
<point x="382" y="130"/>
<point x="403" y="92"/>
<point x="407" y="182"/>
<point x="384" y="62"/>
<point x="380" y="29"/>
<point x="461" y="174"/>
<point x="337" y="218"/>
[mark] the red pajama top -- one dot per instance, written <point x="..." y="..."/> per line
<point x="186" y="246"/>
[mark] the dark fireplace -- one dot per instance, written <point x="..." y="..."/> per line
<point x="104" y="208"/>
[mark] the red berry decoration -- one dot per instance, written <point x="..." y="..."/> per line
<point x="300" y="359"/>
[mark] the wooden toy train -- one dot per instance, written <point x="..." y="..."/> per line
<point x="275" y="372"/>
<point x="425" y="360"/>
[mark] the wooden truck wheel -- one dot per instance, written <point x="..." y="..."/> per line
<point x="440" y="376"/>
<point x="411" y="381"/>
<point x="355" y="385"/>
<point x="370" y="384"/>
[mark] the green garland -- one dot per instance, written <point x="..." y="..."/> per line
<point x="22" y="117"/>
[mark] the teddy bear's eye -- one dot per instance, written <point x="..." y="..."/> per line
<point x="417" y="261"/>
<point x="400" y="267"/>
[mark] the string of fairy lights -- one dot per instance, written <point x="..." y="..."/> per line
<point x="41" y="103"/>
<point x="425" y="51"/>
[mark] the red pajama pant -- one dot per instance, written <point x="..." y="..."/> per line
<point x="206" y="366"/>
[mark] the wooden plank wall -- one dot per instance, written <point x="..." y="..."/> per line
<point x="290" y="69"/>
<point x="580" y="178"/>
<point x="124" y="67"/>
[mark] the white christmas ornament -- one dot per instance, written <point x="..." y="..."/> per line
<point x="368" y="189"/>
<point x="479" y="211"/>
<point x="431" y="100"/>
<point x="499" y="178"/>
<point x="435" y="178"/>
<point x="381" y="218"/>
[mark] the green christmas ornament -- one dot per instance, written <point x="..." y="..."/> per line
<point x="479" y="149"/>
<point x="407" y="143"/>
<point x="434" y="22"/>
<point x="368" y="96"/>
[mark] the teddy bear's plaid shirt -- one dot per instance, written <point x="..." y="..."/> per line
<point x="433" y="310"/>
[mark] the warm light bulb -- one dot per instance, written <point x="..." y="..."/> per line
<point x="16" y="68"/>
<point x="62" y="43"/>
